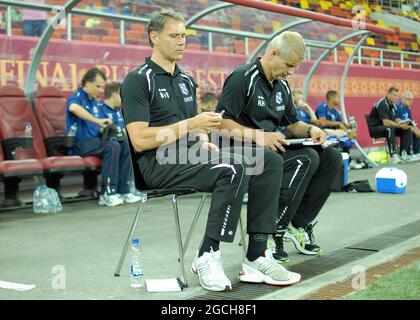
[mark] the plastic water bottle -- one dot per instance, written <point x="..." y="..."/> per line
<point x="352" y="122"/>
<point x="41" y="201"/>
<point x="72" y="130"/>
<point x="136" y="269"/>
<point x="28" y="130"/>
<point x="54" y="203"/>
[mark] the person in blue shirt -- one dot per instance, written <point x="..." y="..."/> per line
<point x="329" y="115"/>
<point x="304" y="111"/>
<point x="404" y="113"/>
<point x="111" y="108"/>
<point x="83" y="113"/>
<point x="306" y="114"/>
<point x="110" y="6"/>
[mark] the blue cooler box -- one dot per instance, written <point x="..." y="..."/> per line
<point x="391" y="180"/>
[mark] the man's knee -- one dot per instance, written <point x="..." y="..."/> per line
<point x="333" y="158"/>
<point x="112" y="148"/>
<point x="310" y="158"/>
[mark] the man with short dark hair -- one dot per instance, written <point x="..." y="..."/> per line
<point x="111" y="108"/>
<point x="383" y="122"/>
<point x="328" y="114"/>
<point x="89" y="120"/>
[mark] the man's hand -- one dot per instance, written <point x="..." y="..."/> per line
<point x="318" y="136"/>
<point x="205" y="121"/>
<point x="209" y="146"/>
<point x="352" y="135"/>
<point x="318" y="123"/>
<point x="272" y="140"/>
<point x="342" y="126"/>
<point x="405" y="126"/>
<point x="103" y="123"/>
<point x="340" y="132"/>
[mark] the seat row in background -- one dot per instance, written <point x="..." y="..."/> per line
<point x="34" y="146"/>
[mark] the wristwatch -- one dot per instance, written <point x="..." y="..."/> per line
<point x="309" y="131"/>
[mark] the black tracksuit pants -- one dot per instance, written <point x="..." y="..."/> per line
<point x="227" y="176"/>
<point x="389" y="133"/>
<point x="307" y="183"/>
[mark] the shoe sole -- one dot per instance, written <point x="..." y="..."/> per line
<point x="101" y="203"/>
<point x="131" y="202"/>
<point x="282" y="261"/>
<point x="299" y="247"/>
<point x="250" y="275"/>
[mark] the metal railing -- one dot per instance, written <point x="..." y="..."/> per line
<point x="210" y="31"/>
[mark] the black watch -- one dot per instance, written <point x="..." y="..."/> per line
<point x="309" y="131"/>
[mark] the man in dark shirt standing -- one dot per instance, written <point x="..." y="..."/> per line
<point x="383" y="122"/>
<point x="159" y="108"/>
<point x="257" y="96"/>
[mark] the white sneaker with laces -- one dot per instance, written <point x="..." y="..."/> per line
<point x="130" y="198"/>
<point x="411" y="158"/>
<point x="210" y="272"/>
<point x="395" y="159"/>
<point x="110" y="200"/>
<point x="267" y="270"/>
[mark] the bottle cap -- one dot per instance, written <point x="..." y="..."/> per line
<point x="135" y="241"/>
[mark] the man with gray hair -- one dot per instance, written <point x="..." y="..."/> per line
<point x="404" y="114"/>
<point x="383" y="122"/>
<point x="257" y="96"/>
<point x="160" y="111"/>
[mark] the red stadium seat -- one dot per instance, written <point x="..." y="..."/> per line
<point x="50" y="111"/>
<point x="15" y="112"/>
<point x="11" y="173"/>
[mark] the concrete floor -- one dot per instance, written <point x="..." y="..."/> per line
<point x="85" y="241"/>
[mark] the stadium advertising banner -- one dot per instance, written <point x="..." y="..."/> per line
<point x="64" y="63"/>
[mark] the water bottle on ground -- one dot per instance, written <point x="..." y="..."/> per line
<point x="136" y="269"/>
<point x="72" y="131"/>
<point x="41" y="201"/>
<point x="28" y="130"/>
<point x="53" y="201"/>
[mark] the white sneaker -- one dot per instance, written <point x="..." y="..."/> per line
<point x="411" y="158"/>
<point x="267" y="270"/>
<point x="130" y="198"/>
<point x="210" y="272"/>
<point x="395" y="159"/>
<point x="355" y="165"/>
<point x="110" y="200"/>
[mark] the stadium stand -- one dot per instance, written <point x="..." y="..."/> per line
<point x="11" y="174"/>
<point x="15" y="112"/>
<point x="108" y="30"/>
